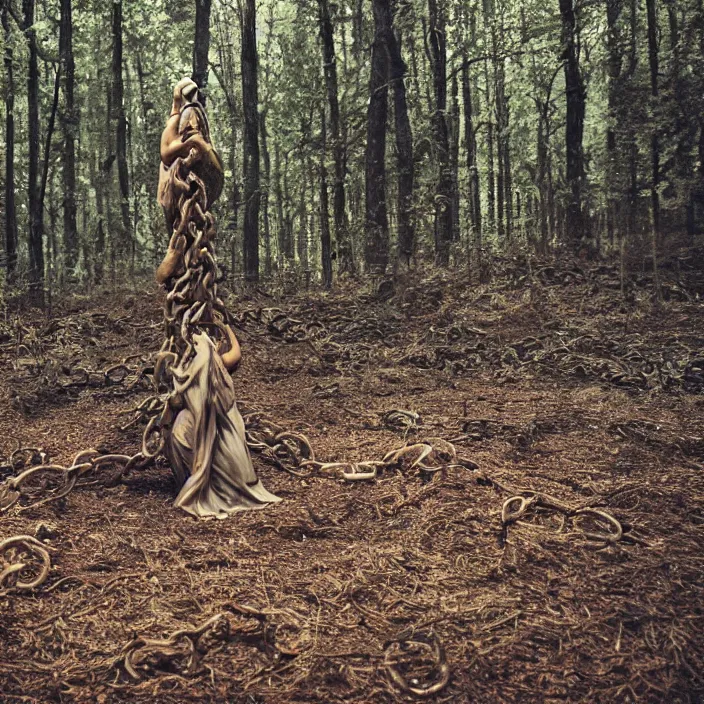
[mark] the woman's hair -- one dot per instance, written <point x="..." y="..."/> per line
<point x="190" y="93"/>
<point x="187" y="89"/>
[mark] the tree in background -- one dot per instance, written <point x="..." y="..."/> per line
<point x="201" y="47"/>
<point x="575" y="102"/>
<point x="71" y="127"/>
<point x="477" y="127"/>
<point x="251" y="141"/>
<point x="404" y="144"/>
<point x="35" y="190"/>
<point x="344" y="250"/>
<point x="376" y="215"/>
<point x="126" y="244"/>
<point x="437" y="39"/>
<point x="10" y="210"/>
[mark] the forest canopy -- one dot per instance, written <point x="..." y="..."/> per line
<point x="357" y="136"/>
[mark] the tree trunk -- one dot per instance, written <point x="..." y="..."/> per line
<point x="35" y="200"/>
<point x="201" y="45"/>
<point x="552" y="208"/>
<point x="427" y="69"/>
<point x="325" y="254"/>
<point x="284" y="232"/>
<point x="235" y="194"/>
<point x="500" y="186"/>
<point x="614" y="62"/>
<point x="404" y="149"/>
<point x="10" y="209"/>
<point x="541" y="177"/>
<point x="415" y="82"/>
<point x="99" y="244"/>
<point x="508" y="176"/>
<point x="111" y="243"/>
<point x="251" y="141"/>
<point x="70" y="125"/>
<point x="126" y="243"/>
<point x="633" y="188"/>
<point x="575" y="95"/>
<point x="313" y="252"/>
<point x="376" y="217"/>
<point x="653" y="60"/>
<point x="344" y="247"/>
<point x="443" y="190"/>
<point x="147" y="176"/>
<point x="265" y="193"/>
<point x="455" y="156"/>
<point x="357" y="30"/>
<point x="36" y="221"/>
<point x="470" y="141"/>
<point x="52" y="245"/>
<point x="288" y="213"/>
<point x="302" y="219"/>
<point x="502" y="110"/>
<point x="490" y="166"/>
<point x="500" y="143"/>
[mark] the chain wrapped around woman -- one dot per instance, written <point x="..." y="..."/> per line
<point x="200" y="429"/>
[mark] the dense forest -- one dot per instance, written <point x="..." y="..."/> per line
<point x="357" y="137"/>
<point x="352" y="351"/>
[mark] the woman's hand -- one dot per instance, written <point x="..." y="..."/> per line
<point x="173" y="260"/>
<point x="174" y="145"/>
<point x="232" y="357"/>
<point x="198" y="141"/>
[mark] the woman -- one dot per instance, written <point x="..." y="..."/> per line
<point x="207" y="446"/>
<point x="185" y="141"/>
<point x="204" y="434"/>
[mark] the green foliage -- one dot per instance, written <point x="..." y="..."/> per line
<point x="521" y="39"/>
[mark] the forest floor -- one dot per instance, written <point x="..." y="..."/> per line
<point x="558" y="388"/>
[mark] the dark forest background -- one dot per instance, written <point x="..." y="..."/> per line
<point x="359" y="136"/>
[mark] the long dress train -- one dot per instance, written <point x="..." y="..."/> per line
<point x="218" y="479"/>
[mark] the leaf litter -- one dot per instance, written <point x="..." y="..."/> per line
<point x="492" y="494"/>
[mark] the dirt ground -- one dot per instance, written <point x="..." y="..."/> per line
<point x="550" y="385"/>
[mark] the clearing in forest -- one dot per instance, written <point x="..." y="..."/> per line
<point x="553" y="555"/>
